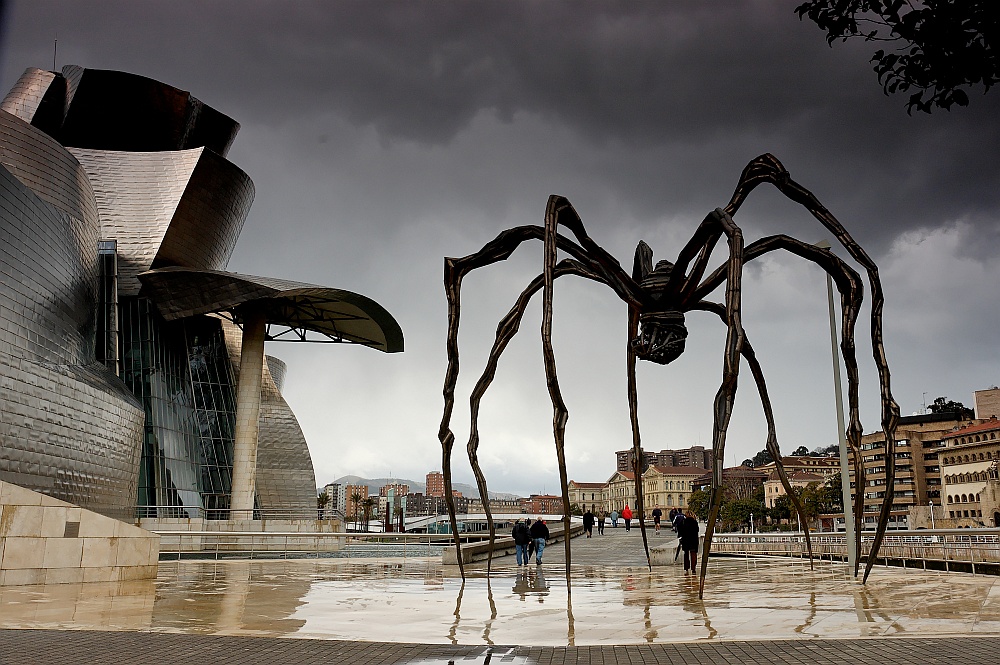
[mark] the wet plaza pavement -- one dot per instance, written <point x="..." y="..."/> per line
<point x="417" y="601"/>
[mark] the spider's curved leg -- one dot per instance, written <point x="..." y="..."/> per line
<point x="767" y="169"/>
<point x="455" y="269"/>
<point x="772" y="433"/>
<point x="560" y="414"/>
<point x="506" y="330"/>
<point x="724" y="398"/>
<point x="851" y="290"/>
<point x="638" y="458"/>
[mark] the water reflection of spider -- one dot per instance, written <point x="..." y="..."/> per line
<point x="658" y="298"/>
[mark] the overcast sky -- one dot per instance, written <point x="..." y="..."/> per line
<point x="384" y="136"/>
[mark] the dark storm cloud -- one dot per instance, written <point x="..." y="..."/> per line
<point x="692" y="86"/>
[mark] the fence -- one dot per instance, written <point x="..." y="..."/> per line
<point x="973" y="550"/>
<point x="176" y="545"/>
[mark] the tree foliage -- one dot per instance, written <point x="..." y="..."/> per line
<point x="699" y="501"/>
<point x="945" y="405"/>
<point x="801" y="451"/>
<point x="939" y="46"/>
<point x="760" y="459"/>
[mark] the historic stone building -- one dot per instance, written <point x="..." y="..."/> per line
<point x="969" y="469"/>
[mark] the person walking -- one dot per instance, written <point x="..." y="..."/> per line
<point x="601" y="516"/>
<point x="689" y="541"/>
<point x="539" y="533"/>
<point x="627" y="516"/>
<point x="522" y="538"/>
<point x="588" y="523"/>
<point x="676" y="523"/>
<point x="614" y="519"/>
<point x="657" y="514"/>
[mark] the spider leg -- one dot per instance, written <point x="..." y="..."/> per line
<point x="506" y="330"/>
<point x="560" y="414"/>
<point x="772" y="432"/>
<point x="724" y="398"/>
<point x="851" y="290"/>
<point x="638" y="458"/>
<point x="455" y="269"/>
<point x="767" y="169"/>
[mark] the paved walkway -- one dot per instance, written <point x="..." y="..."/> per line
<point x="29" y="647"/>
<point x="327" y="611"/>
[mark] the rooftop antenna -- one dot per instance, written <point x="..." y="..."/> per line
<point x="55" y="49"/>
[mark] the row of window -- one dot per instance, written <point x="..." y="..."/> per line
<point x="963" y="498"/>
<point x="978" y="438"/>
<point x="974" y="457"/>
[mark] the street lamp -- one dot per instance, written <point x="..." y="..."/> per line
<point x="845" y="476"/>
<point x="751" y="522"/>
<point x="930" y="503"/>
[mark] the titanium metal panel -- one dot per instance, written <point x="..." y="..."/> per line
<point x="111" y="110"/>
<point x="167" y="208"/>
<point x="47" y="169"/>
<point x="28" y="96"/>
<point x="68" y="427"/>
<point x="181" y="292"/>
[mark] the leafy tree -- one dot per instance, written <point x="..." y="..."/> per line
<point x="367" y="505"/>
<point x="945" y="405"/>
<point x="801" y="451"/>
<point x="736" y="514"/>
<point x="832" y="449"/>
<point x="760" y="459"/>
<point x="941" y="46"/>
<point x="782" y="509"/>
<point x="699" y="502"/>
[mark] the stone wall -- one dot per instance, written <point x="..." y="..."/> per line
<point x="48" y="541"/>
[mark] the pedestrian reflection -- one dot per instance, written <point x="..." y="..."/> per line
<point x="531" y="584"/>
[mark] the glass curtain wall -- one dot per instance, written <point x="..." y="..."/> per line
<point x="212" y="384"/>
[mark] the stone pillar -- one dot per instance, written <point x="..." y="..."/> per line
<point x="247" y="414"/>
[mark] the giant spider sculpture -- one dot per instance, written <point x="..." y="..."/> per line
<point x="657" y="300"/>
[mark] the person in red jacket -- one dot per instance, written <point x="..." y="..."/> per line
<point x="627" y="516"/>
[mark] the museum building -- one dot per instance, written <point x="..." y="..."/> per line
<point x="132" y="368"/>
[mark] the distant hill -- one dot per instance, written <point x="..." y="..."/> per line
<point x="374" y="484"/>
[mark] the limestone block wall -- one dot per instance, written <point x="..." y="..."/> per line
<point x="48" y="541"/>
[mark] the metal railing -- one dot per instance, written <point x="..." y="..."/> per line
<point x="974" y="550"/>
<point x="178" y="545"/>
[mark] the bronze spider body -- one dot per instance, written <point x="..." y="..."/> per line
<point x="657" y="298"/>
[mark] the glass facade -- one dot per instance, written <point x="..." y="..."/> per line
<point x="212" y="386"/>
<point x="181" y="373"/>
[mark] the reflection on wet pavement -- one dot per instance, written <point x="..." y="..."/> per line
<point x="418" y="600"/>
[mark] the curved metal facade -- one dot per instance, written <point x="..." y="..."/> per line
<point x="68" y="427"/>
<point x="113" y="397"/>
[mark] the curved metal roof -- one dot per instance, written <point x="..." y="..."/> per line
<point x="292" y="309"/>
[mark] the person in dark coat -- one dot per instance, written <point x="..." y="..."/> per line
<point x="539" y="534"/>
<point x="689" y="541"/>
<point x="522" y="538"/>
<point x="588" y="523"/>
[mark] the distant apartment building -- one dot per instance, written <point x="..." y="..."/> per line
<point x="668" y="486"/>
<point x="695" y="456"/>
<point x="987" y="403"/>
<point x="919" y="445"/>
<point x="969" y="464"/>
<point x="497" y="506"/>
<point x="434" y="484"/>
<point x="588" y="496"/>
<point x="335" y="503"/>
<point x="353" y="496"/>
<point x="542" y="504"/>
<point x="398" y="489"/>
